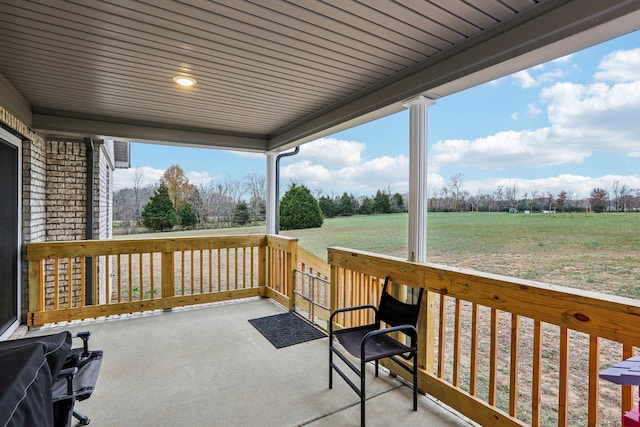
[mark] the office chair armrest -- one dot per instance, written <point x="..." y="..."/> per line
<point x="348" y="309"/>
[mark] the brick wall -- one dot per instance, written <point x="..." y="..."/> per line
<point x="66" y="194"/>
<point x="54" y="197"/>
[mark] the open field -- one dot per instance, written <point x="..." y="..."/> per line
<point x="598" y="252"/>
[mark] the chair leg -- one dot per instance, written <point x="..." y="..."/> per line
<point x="330" y="367"/>
<point x="376" y="367"/>
<point x="415" y="381"/>
<point x="362" y="392"/>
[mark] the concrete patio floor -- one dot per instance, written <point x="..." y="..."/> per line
<point x="209" y="366"/>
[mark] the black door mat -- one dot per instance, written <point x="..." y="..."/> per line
<point x="286" y="329"/>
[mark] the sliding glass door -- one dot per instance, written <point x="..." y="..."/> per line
<point x="10" y="232"/>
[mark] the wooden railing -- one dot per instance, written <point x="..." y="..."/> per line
<point x="504" y="351"/>
<point x="312" y="288"/>
<point x="500" y="350"/>
<point x="126" y="276"/>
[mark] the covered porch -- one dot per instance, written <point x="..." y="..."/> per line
<point x="208" y="365"/>
<point x="499" y="350"/>
<point x="269" y="78"/>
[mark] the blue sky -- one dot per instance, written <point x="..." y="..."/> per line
<point x="571" y="124"/>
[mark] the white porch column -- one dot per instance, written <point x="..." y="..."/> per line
<point x="271" y="193"/>
<point x="418" y="200"/>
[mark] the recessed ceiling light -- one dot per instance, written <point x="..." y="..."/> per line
<point x="184" y="81"/>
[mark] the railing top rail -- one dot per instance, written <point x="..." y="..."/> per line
<point x="86" y="248"/>
<point x="283" y="243"/>
<point x="313" y="261"/>
<point x="608" y="316"/>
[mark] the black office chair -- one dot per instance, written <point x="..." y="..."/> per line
<point x="371" y="343"/>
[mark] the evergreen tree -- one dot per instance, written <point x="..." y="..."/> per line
<point x="241" y="215"/>
<point x="328" y="207"/>
<point x="345" y="205"/>
<point x="188" y="216"/>
<point x="382" y="203"/>
<point x="397" y="203"/>
<point x="159" y="214"/>
<point x="299" y="209"/>
<point x="366" y="206"/>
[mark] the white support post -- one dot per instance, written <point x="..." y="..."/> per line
<point x="271" y="193"/>
<point x="418" y="198"/>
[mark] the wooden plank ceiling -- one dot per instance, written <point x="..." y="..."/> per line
<point x="270" y="73"/>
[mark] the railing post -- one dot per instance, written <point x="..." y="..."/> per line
<point x="168" y="275"/>
<point x="36" y="288"/>
<point x="333" y="290"/>
<point x="427" y="332"/>
<point x="262" y="265"/>
<point x="292" y="264"/>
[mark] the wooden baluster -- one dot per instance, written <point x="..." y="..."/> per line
<point x="235" y="267"/>
<point x="536" y="386"/>
<point x="563" y="394"/>
<point x="456" y="343"/>
<point x="141" y="276"/>
<point x="210" y="270"/>
<point x="130" y="271"/>
<point x="96" y="296"/>
<point x="119" y="278"/>
<point x="493" y="358"/>
<point x="191" y="272"/>
<point x="441" y="335"/>
<point x="227" y="265"/>
<point x="69" y="282"/>
<point x="513" y="377"/>
<point x="83" y="281"/>
<point x="594" y="384"/>
<point x="473" y="377"/>
<point x="153" y="282"/>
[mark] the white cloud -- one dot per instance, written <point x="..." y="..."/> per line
<point x="533" y="110"/>
<point x="578" y="186"/>
<point x="358" y="177"/>
<point x="583" y="119"/>
<point x="596" y="116"/>
<point x="199" y="178"/>
<point x="333" y="152"/>
<point x="124" y="178"/>
<point x="620" y="66"/>
<point x="526" y="78"/>
<point x="508" y="149"/>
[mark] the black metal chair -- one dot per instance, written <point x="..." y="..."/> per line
<point x="371" y="343"/>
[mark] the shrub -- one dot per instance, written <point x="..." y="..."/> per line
<point x="299" y="209"/>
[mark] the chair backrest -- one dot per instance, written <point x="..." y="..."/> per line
<point x="394" y="312"/>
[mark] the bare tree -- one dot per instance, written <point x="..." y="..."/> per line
<point x="136" y="181"/>
<point x="499" y="195"/>
<point x="256" y="186"/>
<point x="511" y="193"/>
<point x="455" y="187"/>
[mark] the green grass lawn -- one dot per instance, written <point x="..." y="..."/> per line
<point x="599" y="252"/>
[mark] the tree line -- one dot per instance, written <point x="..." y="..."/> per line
<point x="225" y="203"/>
<point x="237" y="202"/>
<point x="453" y="198"/>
